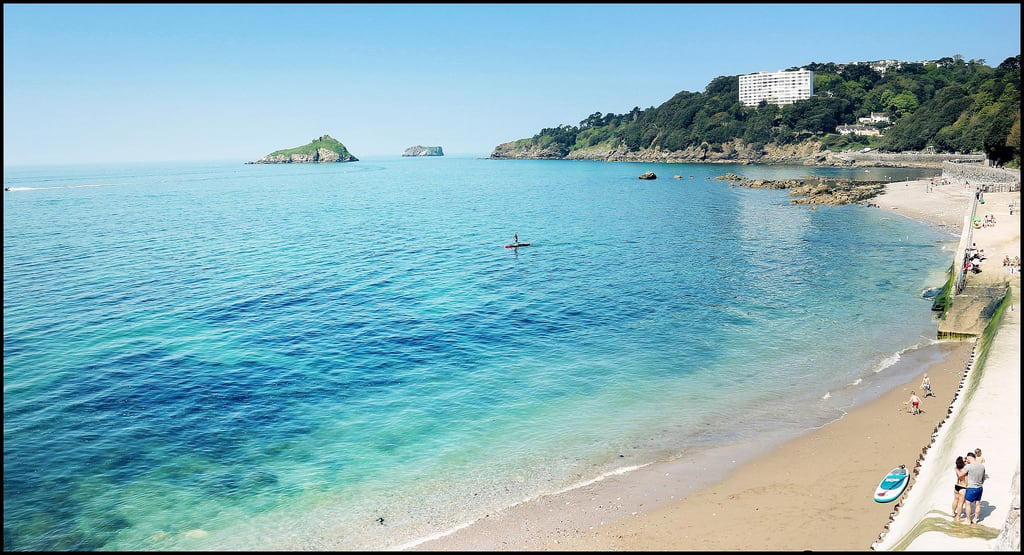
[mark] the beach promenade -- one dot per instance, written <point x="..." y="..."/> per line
<point x="989" y="419"/>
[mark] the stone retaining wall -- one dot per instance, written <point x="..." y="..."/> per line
<point x="905" y="159"/>
<point x="980" y="174"/>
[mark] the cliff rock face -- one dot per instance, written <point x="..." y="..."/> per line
<point x="515" y="150"/>
<point x="730" y="153"/>
<point x="423" y="151"/>
<point x="323" y="149"/>
<point x="808" y="152"/>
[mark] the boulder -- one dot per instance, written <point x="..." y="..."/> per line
<point x="648" y="175"/>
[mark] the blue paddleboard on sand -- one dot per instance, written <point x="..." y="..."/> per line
<point x="892" y="486"/>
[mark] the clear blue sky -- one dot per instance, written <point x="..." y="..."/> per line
<point x="111" y="83"/>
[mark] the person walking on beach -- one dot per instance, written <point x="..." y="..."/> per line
<point x="972" y="495"/>
<point x="959" y="487"/>
<point x="978" y="457"/>
<point x="915" y="402"/>
<point x="926" y="385"/>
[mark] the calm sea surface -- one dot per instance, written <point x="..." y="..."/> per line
<point x="223" y="356"/>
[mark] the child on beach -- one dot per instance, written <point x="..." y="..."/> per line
<point x="915" y="401"/>
<point x="926" y="385"/>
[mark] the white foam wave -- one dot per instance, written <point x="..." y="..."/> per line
<point x="614" y="472"/>
<point x="12" y="189"/>
<point x="827" y="395"/>
<point x="857" y="381"/>
<point x="425" y="539"/>
<point x="888" y="361"/>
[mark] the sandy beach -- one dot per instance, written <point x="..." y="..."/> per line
<point x="940" y="205"/>
<point x="811" y="493"/>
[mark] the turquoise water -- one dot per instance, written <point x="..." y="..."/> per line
<point x="222" y="356"/>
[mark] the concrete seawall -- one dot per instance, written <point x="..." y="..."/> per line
<point x="986" y="414"/>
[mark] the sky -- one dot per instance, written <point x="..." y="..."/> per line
<point x="114" y="83"/>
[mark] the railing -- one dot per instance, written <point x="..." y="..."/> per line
<point x="965" y="241"/>
<point x="1001" y="187"/>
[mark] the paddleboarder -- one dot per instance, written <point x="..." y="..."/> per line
<point x="515" y="238"/>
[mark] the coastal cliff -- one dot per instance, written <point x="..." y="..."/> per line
<point x="941" y="106"/>
<point x="419" y="150"/>
<point x="321" y="150"/>
<point x="808" y="153"/>
<point x="730" y="152"/>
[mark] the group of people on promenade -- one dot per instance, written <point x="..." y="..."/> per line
<point x="972" y="258"/>
<point x="970" y="476"/>
<point x="989" y="220"/>
<point x="1011" y="267"/>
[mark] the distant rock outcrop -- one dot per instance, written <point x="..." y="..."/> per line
<point x="321" y="150"/>
<point x="423" y="151"/>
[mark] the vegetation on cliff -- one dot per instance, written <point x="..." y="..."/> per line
<point x="949" y="105"/>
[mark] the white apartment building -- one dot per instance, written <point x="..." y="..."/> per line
<point x="776" y="87"/>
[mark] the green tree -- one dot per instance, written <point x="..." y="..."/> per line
<point x="903" y="103"/>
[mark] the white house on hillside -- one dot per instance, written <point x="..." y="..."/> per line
<point x="875" y="117"/>
<point x="857" y="130"/>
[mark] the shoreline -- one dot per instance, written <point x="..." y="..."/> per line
<point x="679" y="519"/>
<point x="623" y="510"/>
<point x="743" y="162"/>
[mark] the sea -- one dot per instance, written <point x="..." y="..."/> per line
<point x="213" y="355"/>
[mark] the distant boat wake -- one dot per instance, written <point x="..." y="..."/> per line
<point x="13" y="189"/>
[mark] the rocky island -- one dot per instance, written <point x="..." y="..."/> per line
<point x="423" y="151"/>
<point x="323" y="149"/>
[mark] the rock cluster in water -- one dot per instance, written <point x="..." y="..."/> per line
<point x="831" y="192"/>
<point x="648" y="175"/>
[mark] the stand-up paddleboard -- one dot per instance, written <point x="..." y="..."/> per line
<point x="892" y="486"/>
<point x="517" y="245"/>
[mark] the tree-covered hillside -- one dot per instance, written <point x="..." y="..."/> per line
<point x="950" y="105"/>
